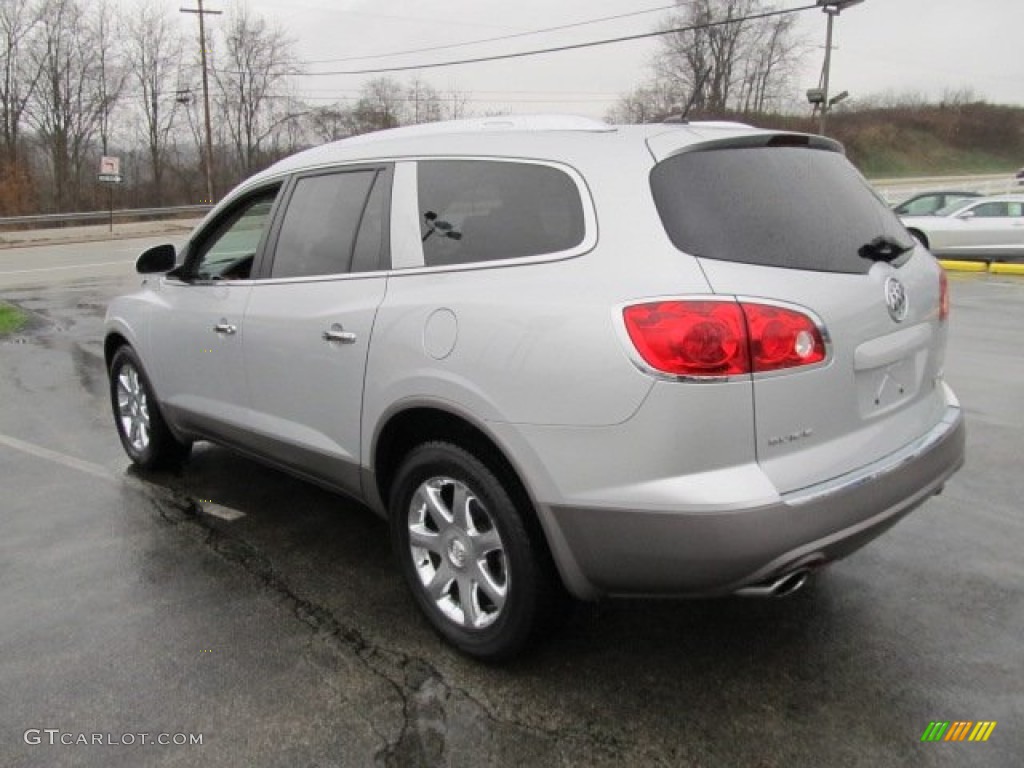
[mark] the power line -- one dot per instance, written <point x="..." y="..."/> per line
<point x="493" y="39"/>
<point x="555" y="49"/>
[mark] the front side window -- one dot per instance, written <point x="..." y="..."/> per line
<point x="227" y="253"/>
<point x="481" y="210"/>
<point x="333" y="225"/>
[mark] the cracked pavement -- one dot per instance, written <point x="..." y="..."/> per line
<point x="132" y="603"/>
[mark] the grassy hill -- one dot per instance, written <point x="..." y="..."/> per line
<point x="921" y="140"/>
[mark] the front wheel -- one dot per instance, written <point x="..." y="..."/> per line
<point x="140" y="425"/>
<point x="474" y="569"/>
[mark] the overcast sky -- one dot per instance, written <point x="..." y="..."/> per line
<point x="921" y="46"/>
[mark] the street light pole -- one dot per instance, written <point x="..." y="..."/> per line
<point x="831" y="12"/>
<point x="208" y="154"/>
<point x="832" y="8"/>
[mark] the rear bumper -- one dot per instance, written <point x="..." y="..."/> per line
<point x="623" y="551"/>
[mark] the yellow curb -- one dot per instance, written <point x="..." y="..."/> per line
<point x="964" y="266"/>
<point x="1006" y="269"/>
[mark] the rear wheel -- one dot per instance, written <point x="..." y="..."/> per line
<point x="474" y="569"/>
<point x="140" y="425"/>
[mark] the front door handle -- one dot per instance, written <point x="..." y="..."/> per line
<point x="225" y="328"/>
<point x="339" y="334"/>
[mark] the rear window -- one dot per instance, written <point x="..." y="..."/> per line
<point x="791" y="207"/>
<point x="483" y="210"/>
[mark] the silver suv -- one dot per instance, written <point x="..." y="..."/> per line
<point x="560" y="357"/>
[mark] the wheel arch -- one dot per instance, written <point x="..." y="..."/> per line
<point x="419" y="422"/>
<point x="921" y="236"/>
<point x="113" y="342"/>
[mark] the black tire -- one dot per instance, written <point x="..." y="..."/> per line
<point x="531" y="588"/>
<point x="152" y="448"/>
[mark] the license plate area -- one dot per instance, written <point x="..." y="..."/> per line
<point x="883" y="389"/>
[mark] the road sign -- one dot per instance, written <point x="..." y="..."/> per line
<point x="110" y="166"/>
<point x="110" y="178"/>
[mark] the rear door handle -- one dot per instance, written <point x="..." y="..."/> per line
<point x="225" y="328"/>
<point x="339" y="334"/>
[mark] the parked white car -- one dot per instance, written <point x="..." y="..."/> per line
<point x="986" y="228"/>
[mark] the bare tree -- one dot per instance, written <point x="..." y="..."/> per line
<point x="252" y="78"/>
<point x="381" y="105"/>
<point x="724" y="61"/>
<point x="770" y="64"/>
<point x="111" y="73"/>
<point x="69" y="101"/>
<point x="330" y="123"/>
<point x="18" y="20"/>
<point x="155" y="51"/>
<point x="648" y="103"/>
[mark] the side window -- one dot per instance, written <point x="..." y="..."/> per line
<point x="227" y="252"/>
<point x="481" y="210"/>
<point x="923" y="206"/>
<point x="321" y="233"/>
<point x="1016" y="209"/>
<point x="366" y="256"/>
<point x="990" y="210"/>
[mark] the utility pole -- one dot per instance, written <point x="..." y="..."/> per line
<point x="202" y="13"/>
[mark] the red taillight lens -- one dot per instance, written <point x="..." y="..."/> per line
<point x="943" y="295"/>
<point x="782" y="338"/>
<point x="690" y="338"/>
<point x="722" y="338"/>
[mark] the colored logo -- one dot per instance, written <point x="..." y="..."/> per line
<point x="958" y="730"/>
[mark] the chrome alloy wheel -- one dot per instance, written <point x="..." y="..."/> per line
<point x="133" y="407"/>
<point x="457" y="552"/>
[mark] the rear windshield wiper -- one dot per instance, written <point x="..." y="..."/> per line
<point x="883" y="248"/>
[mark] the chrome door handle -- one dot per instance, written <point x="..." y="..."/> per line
<point x="336" y="333"/>
<point x="225" y="328"/>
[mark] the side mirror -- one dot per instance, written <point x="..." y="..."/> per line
<point x="966" y="215"/>
<point x="159" y="258"/>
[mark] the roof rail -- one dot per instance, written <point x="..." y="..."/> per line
<point x="487" y="124"/>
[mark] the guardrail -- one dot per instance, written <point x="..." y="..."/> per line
<point x="63" y="219"/>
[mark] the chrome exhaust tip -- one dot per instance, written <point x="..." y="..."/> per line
<point x="781" y="586"/>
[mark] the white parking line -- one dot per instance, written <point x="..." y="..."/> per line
<point x="98" y="470"/>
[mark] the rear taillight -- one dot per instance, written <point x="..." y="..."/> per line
<point x="781" y="338"/>
<point x="698" y="338"/>
<point x="943" y="295"/>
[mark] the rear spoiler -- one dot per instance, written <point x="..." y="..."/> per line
<point x="676" y="141"/>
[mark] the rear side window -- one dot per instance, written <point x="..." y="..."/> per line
<point x="323" y="229"/>
<point x="792" y="207"/>
<point x="482" y="210"/>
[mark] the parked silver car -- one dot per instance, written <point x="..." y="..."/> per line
<point x="985" y="228"/>
<point x="927" y="203"/>
<point x="560" y="357"/>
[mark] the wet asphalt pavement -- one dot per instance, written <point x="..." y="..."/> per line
<point x="130" y="604"/>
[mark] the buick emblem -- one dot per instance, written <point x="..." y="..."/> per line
<point x="896" y="299"/>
